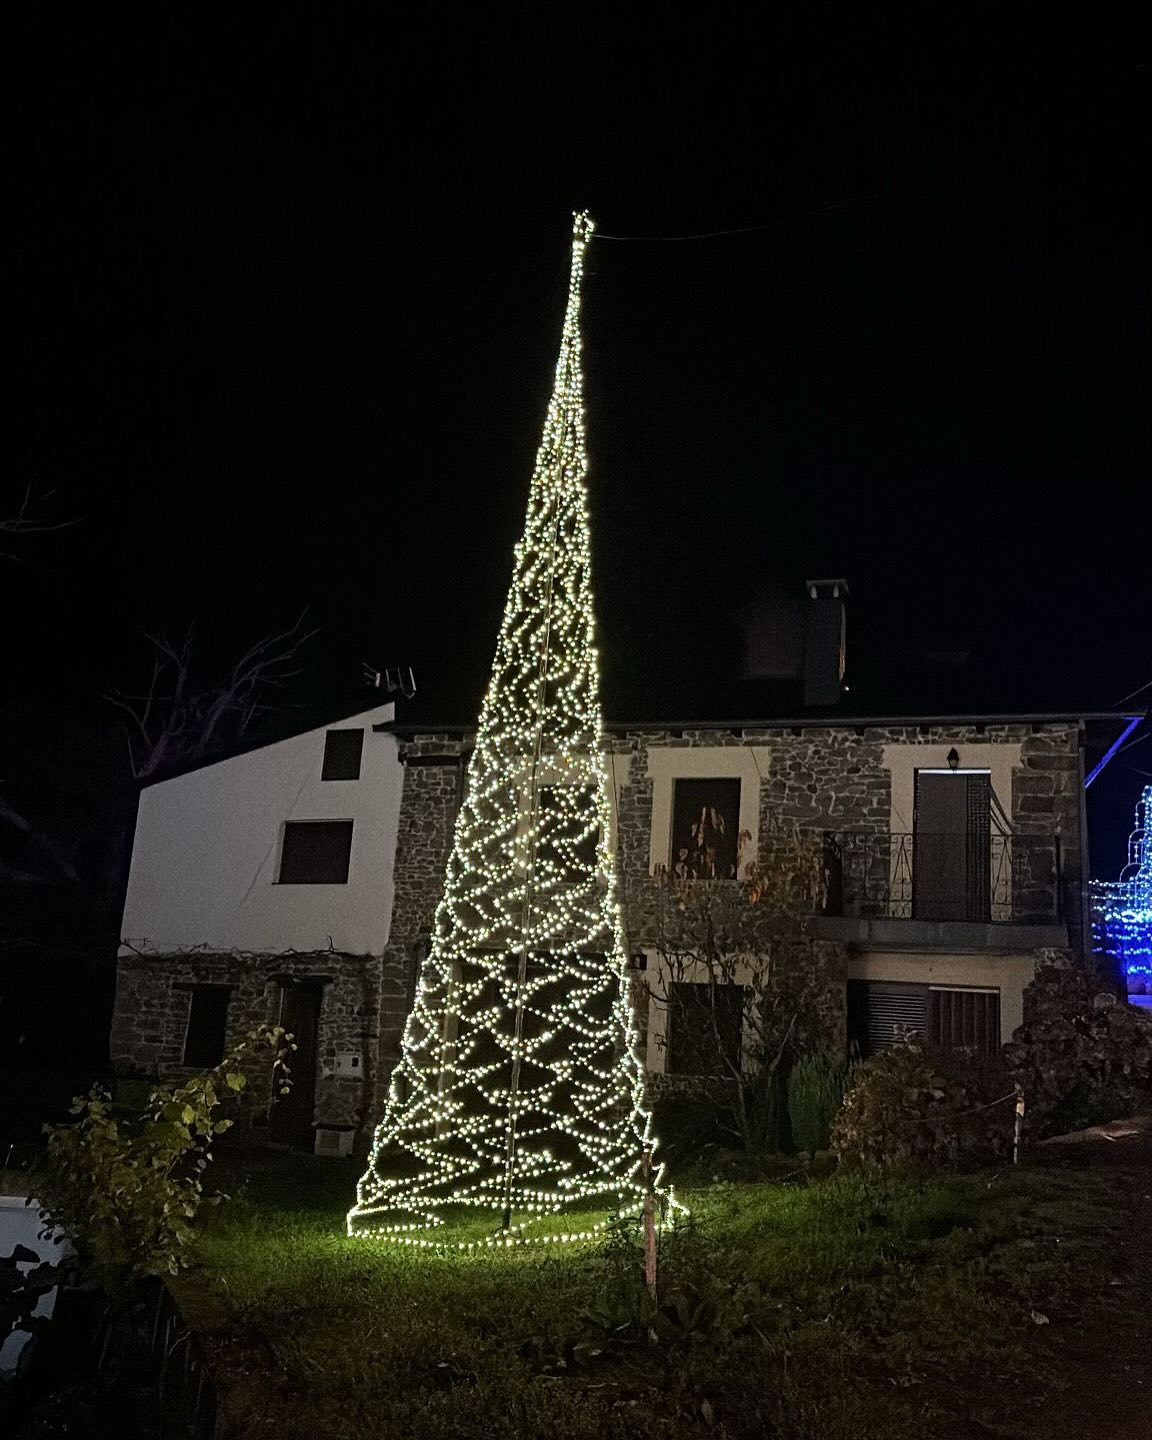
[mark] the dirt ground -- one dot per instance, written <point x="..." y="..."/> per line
<point x="1108" y="1367"/>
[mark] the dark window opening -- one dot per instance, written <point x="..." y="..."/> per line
<point x="705" y="829"/>
<point x="207" y="1026"/>
<point x="342" y="752"/>
<point x="316" y="852"/>
<point x="290" y="1120"/>
<point x="705" y="1029"/>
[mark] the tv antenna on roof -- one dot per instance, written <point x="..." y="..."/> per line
<point x="399" y="678"/>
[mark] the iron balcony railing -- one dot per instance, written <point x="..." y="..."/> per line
<point x="969" y="876"/>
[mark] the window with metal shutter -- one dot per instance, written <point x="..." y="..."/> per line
<point x="964" y="1019"/>
<point x="882" y="1012"/>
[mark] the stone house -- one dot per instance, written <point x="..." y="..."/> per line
<point x="297" y="882"/>
<point x="955" y="855"/>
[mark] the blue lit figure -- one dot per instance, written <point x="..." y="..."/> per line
<point x="1122" y="909"/>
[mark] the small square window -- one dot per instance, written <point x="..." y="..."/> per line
<point x="316" y="852"/>
<point x="207" y="1026"/>
<point x="342" y="751"/>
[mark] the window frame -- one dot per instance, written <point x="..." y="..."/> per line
<point x="909" y="991"/>
<point x="991" y="996"/>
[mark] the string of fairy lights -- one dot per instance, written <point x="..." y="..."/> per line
<point x="1122" y="909"/>
<point x="520" y="1092"/>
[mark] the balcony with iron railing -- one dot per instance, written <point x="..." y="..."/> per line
<point x="973" y="877"/>
<point x="890" y="889"/>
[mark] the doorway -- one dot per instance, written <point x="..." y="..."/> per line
<point x="290" y="1121"/>
<point x="951" y="845"/>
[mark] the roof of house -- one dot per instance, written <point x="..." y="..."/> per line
<point x="823" y="720"/>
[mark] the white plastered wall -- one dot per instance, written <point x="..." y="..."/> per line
<point x="207" y="849"/>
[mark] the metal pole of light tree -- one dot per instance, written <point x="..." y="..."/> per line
<point x="530" y="873"/>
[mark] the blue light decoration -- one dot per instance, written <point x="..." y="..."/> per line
<point x="1122" y="909"/>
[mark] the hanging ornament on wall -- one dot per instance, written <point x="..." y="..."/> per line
<point x="518" y="1101"/>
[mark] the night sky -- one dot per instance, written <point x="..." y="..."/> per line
<point x="288" y="289"/>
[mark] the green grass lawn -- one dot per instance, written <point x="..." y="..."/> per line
<point x="796" y="1307"/>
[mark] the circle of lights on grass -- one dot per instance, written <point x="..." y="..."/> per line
<point x="516" y="1113"/>
<point x="1122" y="909"/>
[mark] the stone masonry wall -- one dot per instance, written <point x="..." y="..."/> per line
<point x="1046" y="800"/>
<point x="819" y="778"/>
<point x="822" y="778"/>
<point x="833" y="778"/>
<point x="154" y="996"/>
<point x="432" y="788"/>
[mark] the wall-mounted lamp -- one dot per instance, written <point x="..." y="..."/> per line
<point x="953" y="758"/>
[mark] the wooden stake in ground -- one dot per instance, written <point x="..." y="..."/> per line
<point x="649" y="1226"/>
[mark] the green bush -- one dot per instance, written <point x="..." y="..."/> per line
<point x="909" y="1107"/>
<point x="127" y="1191"/>
<point x="815" y="1093"/>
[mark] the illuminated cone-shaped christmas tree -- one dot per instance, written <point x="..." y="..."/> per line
<point x="519" y="1092"/>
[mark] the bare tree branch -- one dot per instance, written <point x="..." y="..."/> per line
<point x="737" y="975"/>
<point x="33" y="516"/>
<point x="179" y="719"/>
<point x="42" y="845"/>
<point x="1140" y="689"/>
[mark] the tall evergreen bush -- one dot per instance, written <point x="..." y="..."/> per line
<point x="815" y="1091"/>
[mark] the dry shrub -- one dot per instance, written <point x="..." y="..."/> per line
<point x="907" y="1107"/>
<point x="1083" y="1055"/>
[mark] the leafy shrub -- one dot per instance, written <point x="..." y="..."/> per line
<point x="1083" y="1055"/>
<point x="815" y="1093"/>
<point x="127" y="1192"/>
<point x="907" y="1107"/>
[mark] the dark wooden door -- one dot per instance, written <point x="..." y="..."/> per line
<point x="290" y="1122"/>
<point x="951" y="855"/>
